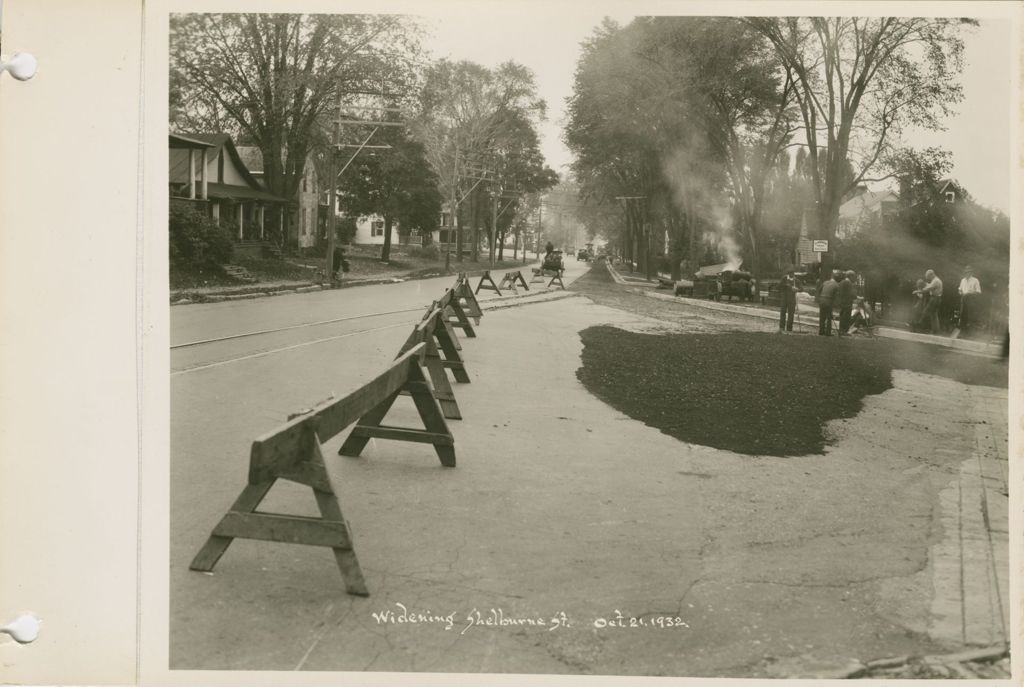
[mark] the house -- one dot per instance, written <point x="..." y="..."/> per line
<point x="303" y="222"/>
<point x="206" y="170"/>
<point x="370" y="231"/>
<point x="950" y="191"/>
<point x="863" y="208"/>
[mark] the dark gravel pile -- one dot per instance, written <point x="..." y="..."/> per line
<point x="751" y="392"/>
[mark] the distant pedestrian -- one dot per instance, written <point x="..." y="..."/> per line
<point x="933" y="299"/>
<point x="787" y="302"/>
<point x="844" y="300"/>
<point x="918" y="308"/>
<point x="970" y="292"/>
<point x="827" y="293"/>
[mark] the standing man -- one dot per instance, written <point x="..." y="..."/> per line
<point x="844" y="299"/>
<point x="970" y="289"/>
<point x="787" y="297"/>
<point x="933" y="299"/>
<point x="826" y="300"/>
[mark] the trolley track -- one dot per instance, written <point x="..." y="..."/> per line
<point x="302" y="325"/>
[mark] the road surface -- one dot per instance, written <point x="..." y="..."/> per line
<point x="570" y="539"/>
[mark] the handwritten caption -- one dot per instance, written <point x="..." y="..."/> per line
<point x="499" y="618"/>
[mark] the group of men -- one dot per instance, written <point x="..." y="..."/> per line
<point x="836" y="292"/>
<point x="928" y="295"/>
<point x="840" y="293"/>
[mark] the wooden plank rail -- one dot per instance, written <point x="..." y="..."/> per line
<point x="293" y="452"/>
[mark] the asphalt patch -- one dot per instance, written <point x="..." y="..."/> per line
<point x="756" y="393"/>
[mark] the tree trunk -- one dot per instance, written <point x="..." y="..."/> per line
<point x="461" y="212"/>
<point x="385" y="252"/>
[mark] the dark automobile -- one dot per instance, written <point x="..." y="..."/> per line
<point x="583" y="255"/>
<point x="553" y="261"/>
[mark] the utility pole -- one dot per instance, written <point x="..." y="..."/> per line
<point x="494" y="221"/>
<point x="540" y="228"/>
<point x="332" y="202"/>
<point x="336" y="145"/>
<point x="453" y="210"/>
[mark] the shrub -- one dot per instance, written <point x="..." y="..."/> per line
<point x="196" y="239"/>
<point x="430" y="252"/>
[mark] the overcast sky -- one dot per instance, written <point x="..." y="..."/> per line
<point x="547" y="40"/>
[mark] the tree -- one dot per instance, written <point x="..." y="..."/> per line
<point x="469" y="116"/>
<point x="269" y="79"/>
<point x="398" y="184"/>
<point x="858" y="81"/>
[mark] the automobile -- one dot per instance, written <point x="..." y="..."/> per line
<point x="583" y="255"/>
<point x="553" y="261"/>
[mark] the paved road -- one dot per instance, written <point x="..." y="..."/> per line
<point x="560" y="504"/>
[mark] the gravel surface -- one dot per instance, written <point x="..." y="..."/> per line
<point x="730" y="384"/>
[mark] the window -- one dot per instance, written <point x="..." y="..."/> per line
<point x="950" y="196"/>
<point x="304" y="176"/>
<point x="377" y="228"/>
<point x="305" y="221"/>
<point x="444" y="219"/>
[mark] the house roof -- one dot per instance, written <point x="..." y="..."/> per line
<point x="221" y="140"/>
<point x="252" y="157"/>
<point x="179" y="141"/>
<point x="864" y="202"/>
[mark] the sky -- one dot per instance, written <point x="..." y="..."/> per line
<point x="547" y="40"/>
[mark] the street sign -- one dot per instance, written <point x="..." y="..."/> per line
<point x="820" y="245"/>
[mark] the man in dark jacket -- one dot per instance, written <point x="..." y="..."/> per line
<point x="844" y="300"/>
<point x="787" y="300"/>
<point x="826" y="300"/>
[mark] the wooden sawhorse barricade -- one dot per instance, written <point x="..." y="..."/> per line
<point x="463" y="293"/>
<point x="511" y="279"/>
<point x="436" y="335"/>
<point x="540" y="274"/>
<point x="292" y="452"/>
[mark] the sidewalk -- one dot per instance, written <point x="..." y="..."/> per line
<point x="808" y="316"/>
<point x="217" y="294"/>
<point x="968" y="563"/>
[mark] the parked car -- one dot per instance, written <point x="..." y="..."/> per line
<point x="583" y="255"/>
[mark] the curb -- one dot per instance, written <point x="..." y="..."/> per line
<point x="186" y="297"/>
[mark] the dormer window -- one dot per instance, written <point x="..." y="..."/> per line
<point x="950" y="196"/>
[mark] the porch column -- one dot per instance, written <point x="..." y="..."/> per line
<point x="241" y="218"/>
<point x="280" y="218"/>
<point x="263" y="220"/>
<point x="192" y="173"/>
<point x="202" y="175"/>
<point x="215" y="211"/>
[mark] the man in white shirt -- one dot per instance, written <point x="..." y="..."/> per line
<point x="932" y="300"/>
<point x="969" y="290"/>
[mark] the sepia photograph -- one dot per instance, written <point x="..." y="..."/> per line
<point x="550" y="339"/>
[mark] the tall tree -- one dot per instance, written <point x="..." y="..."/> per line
<point x="467" y="115"/>
<point x="269" y="79"/>
<point x="858" y="81"/>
